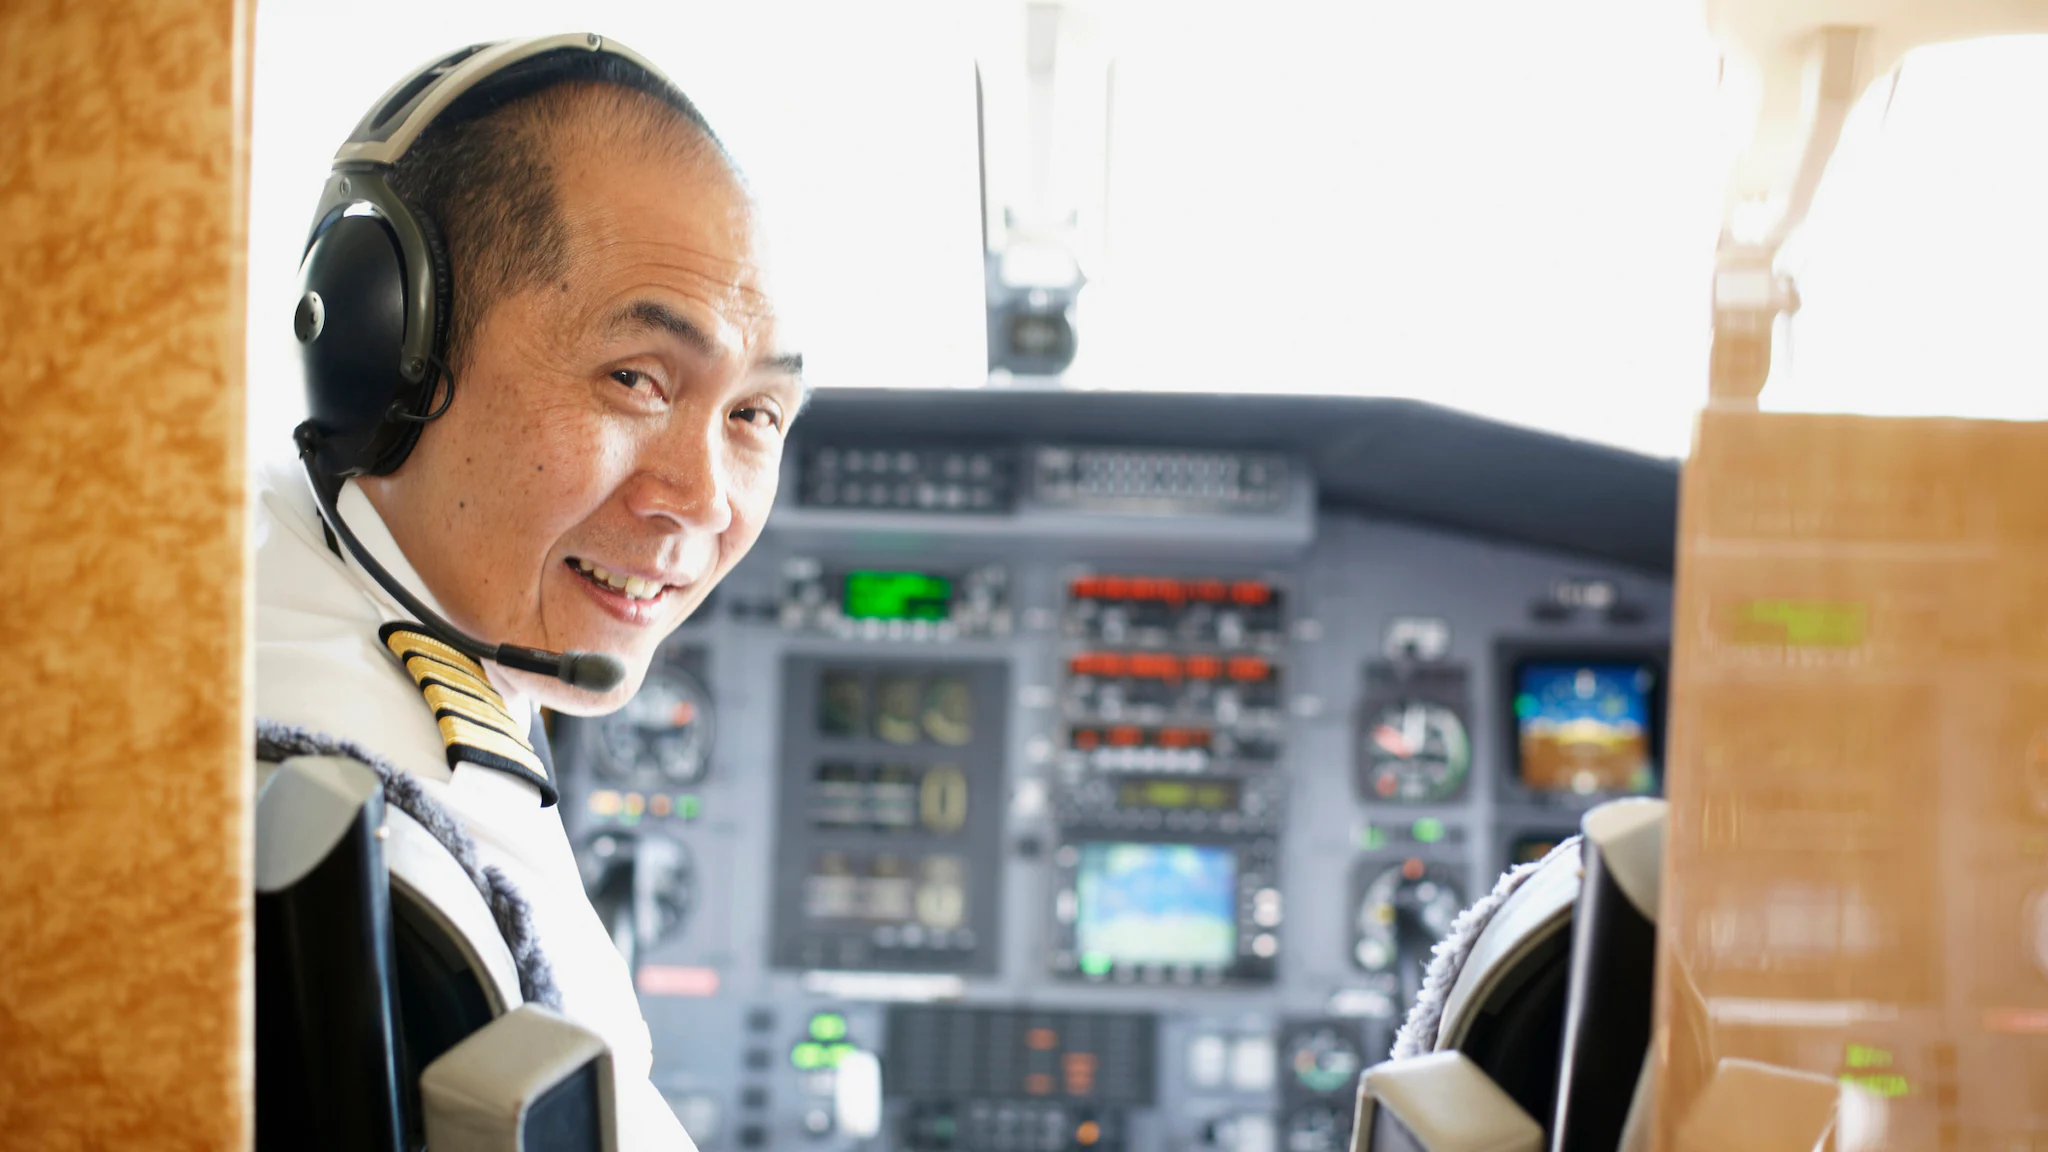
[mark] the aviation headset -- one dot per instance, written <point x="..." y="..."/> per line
<point x="375" y="296"/>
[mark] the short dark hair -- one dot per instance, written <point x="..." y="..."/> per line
<point x="483" y="177"/>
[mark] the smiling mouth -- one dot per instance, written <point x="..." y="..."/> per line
<point x="631" y="587"/>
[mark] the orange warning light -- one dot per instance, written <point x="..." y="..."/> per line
<point x="1088" y="1133"/>
<point x="1249" y="668"/>
<point x="1251" y="593"/>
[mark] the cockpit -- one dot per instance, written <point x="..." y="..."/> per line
<point x="1340" y="579"/>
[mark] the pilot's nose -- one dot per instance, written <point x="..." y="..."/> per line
<point x="685" y="479"/>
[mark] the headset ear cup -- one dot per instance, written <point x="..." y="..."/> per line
<point x="444" y="282"/>
<point x="352" y="304"/>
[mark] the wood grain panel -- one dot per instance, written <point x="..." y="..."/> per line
<point x="1856" y="888"/>
<point x="124" y="895"/>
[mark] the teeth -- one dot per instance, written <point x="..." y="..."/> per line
<point x="633" y="586"/>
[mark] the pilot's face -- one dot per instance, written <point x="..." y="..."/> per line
<point x="614" y="441"/>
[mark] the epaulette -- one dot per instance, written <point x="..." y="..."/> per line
<point x="475" y="724"/>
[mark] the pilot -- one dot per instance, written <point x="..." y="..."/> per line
<point x="599" y="446"/>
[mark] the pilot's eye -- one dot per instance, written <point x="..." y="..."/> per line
<point x="632" y="379"/>
<point x="760" y="416"/>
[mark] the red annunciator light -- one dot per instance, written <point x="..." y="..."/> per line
<point x="1099" y="664"/>
<point x="1153" y="666"/>
<point x="1167" y="589"/>
<point x="1249" y="668"/>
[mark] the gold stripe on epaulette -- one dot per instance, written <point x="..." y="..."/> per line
<point x="425" y="668"/>
<point x="474" y="722"/>
<point x="442" y="698"/>
<point x="456" y="730"/>
<point x="404" y="642"/>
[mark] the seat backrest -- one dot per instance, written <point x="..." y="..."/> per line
<point x="1612" y="983"/>
<point x="1548" y="1014"/>
<point x="1505" y="1011"/>
<point x="327" y="1042"/>
<point x="388" y="1005"/>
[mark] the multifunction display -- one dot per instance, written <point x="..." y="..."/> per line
<point x="1166" y="911"/>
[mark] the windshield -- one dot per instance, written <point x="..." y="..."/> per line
<point x="1503" y="207"/>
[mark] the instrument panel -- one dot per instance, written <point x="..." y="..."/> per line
<point x="1039" y="795"/>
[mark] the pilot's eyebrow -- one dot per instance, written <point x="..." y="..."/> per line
<point x="652" y="314"/>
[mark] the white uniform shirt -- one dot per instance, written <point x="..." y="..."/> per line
<point x="319" y="664"/>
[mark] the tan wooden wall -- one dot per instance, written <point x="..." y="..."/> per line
<point x="1856" y="871"/>
<point x="124" y="896"/>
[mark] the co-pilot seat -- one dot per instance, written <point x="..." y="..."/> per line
<point x="389" y="1012"/>
<point x="1533" y="1028"/>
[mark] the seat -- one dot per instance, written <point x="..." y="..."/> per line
<point x="389" y="1013"/>
<point x="1537" y="1008"/>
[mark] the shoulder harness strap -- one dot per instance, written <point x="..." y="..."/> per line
<point x="475" y="724"/>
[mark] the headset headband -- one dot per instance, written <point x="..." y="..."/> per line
<point x="399" y="117"/>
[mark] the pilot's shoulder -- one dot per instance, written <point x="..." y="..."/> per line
<point x="319" y="662"/>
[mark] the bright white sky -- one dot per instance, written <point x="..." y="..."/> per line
<point x="1503" y="206"/>
<point x="1924" y="264"/>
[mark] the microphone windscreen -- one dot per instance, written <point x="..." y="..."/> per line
<point x="592" y="671"/>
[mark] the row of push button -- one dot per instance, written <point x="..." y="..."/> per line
<point x="629" y="807"/>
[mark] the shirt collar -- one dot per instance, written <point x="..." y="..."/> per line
<point x="362" y="519"/>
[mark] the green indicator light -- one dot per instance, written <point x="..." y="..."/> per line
<point x="1096" y="963"/>
<point x="1866" y="1056"/>
<point x="828" y="1026"/>
<point x="1370" y="838"/>
<point x="807" y="1057"/>
<point x="1802" y="623"/>
<point x="1889" y="1085"/>
<point x="1428" y="830"/>
<point x="896" y="596"/>
<point x="1526" y="706"/>
<point x="688" y="806"/>
<point x="834" y="1053"/>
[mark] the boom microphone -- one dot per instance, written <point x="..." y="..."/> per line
<point x="590" y="671"/>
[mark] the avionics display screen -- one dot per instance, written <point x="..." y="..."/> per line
<point x="896" y="596"/>
<point x="1155" y="904"/>
<point x="1586" y="726"/>
<point x="1172" y="794"/>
